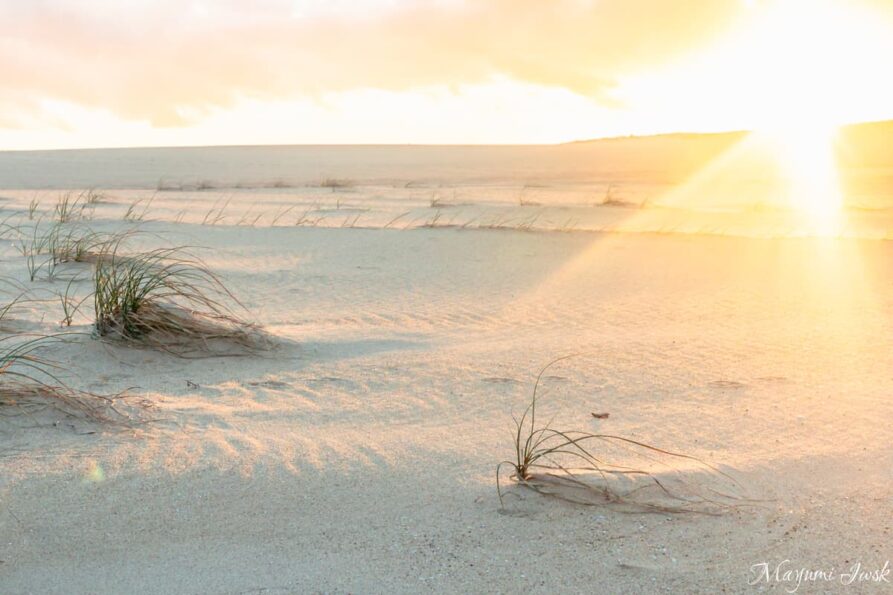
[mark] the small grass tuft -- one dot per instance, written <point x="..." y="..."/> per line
<point x="578" y="466"/>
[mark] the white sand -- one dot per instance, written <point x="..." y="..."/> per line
<point x="360" y="456"/>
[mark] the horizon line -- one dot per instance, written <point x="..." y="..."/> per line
<point x="632" y="136"/>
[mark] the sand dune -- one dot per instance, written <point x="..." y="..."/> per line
<point x="359" y="455"/>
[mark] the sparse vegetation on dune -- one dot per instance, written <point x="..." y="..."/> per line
<point x="397" y="218"/>
<point x="46" y="248"/>
<point x="215" y="213"/>
<point x="249" y="219"/>
<point x="9" y="228"/>
<point x="32" y="249"/>
<point x="282" y="213"/>
<point x="72" y="206"/>
<point x="71" y="303"/>
<point x="439" y="202"/>
<point x="306" y="220"/>
<point x="32" y="208"/>
<point x="350" y="222"/>
<point x="93" y="196"/>
<point x="165" y="185"/>
<point x="578" y="466"/>
<point x="138" y="209"/>
<point x="79" y="244"/>
<point x="163" y="298"/>
<point x="431" y="223"/>
<point x="336" y="184"/>
<point x="168" y="299"/>
<point x="524" y="200"/>
<point x="612" y="199"/>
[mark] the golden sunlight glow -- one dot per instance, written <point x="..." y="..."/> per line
<point x="813" y="74"/>
<point x="793" y="72"/>
<point x="808" y="172"/>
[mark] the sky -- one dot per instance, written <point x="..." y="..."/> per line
<point x="107" y="73"/>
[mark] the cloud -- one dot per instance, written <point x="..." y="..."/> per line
<point x="163" y="61"/>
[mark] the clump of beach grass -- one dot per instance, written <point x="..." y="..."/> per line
<point x="168" y="299"/>
<point x="579" y="467"/>
<point x="28" y="385"/>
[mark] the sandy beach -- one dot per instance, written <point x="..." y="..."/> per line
<point x="359" y="454"/>
<point x="446" y="296"/>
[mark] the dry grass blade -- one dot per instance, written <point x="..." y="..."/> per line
<point x="167" y="299"/>
<point x="598" y="469"/>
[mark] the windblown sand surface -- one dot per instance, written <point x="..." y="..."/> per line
<point x="359" y="456"/>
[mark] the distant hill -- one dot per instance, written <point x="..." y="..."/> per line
<point x="667" y="136"/>
<point x="861" y="132"/>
